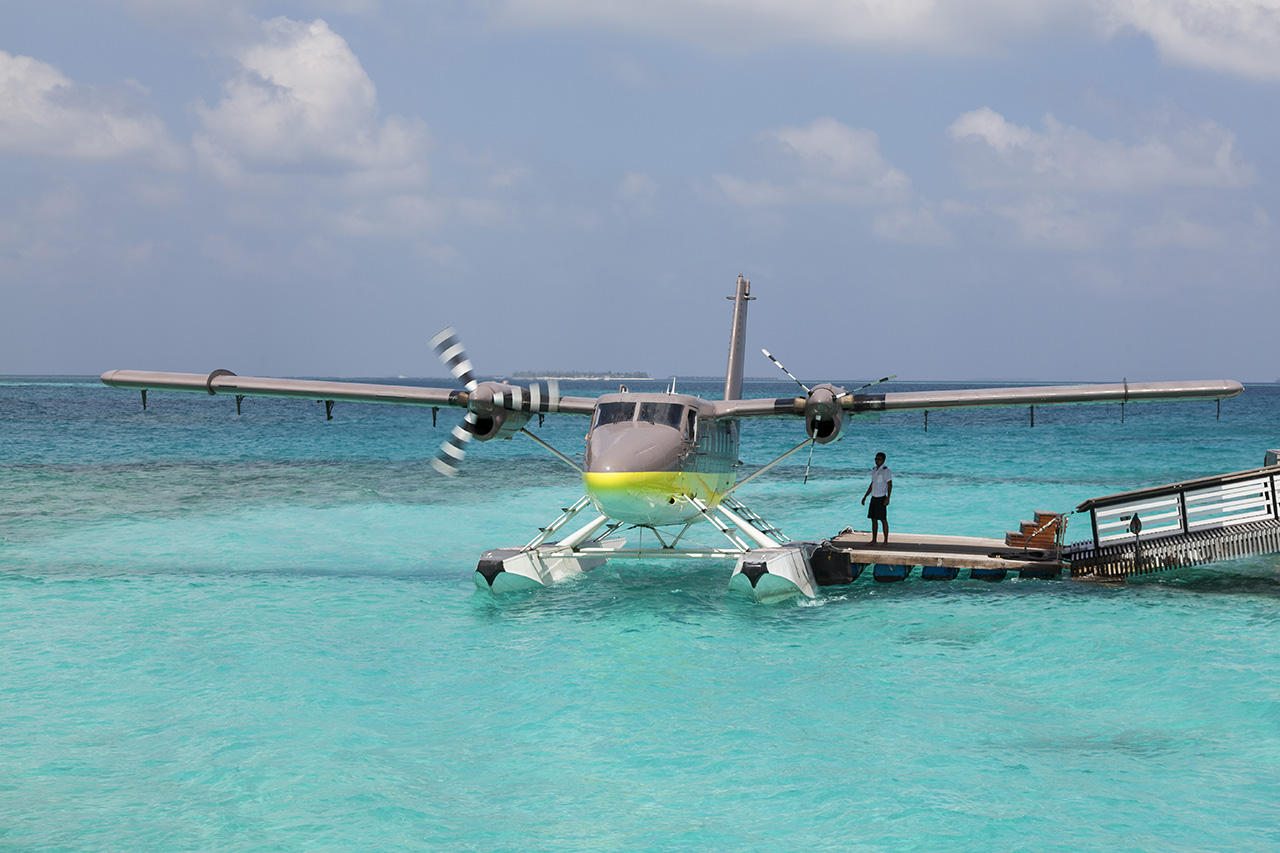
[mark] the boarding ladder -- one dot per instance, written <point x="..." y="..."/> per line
<point x="753" y="518"/>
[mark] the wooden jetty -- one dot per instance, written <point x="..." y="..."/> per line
<point x="937" y="558"/>
<point x="1190" y="523"/>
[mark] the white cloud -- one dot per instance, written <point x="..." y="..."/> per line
<point x="441" y="254"/>
<point x="1238" y="36"/>
<point x="65" y="236"/>
<point x="731" y="25"/>
<point x="1227" y="229"/>
<point x="302" y="101"/>
<point x="63" y="200"/>
<point x="823" y="162"/>
<point x="629" y="71"/>
<point x="912" y="226"/>
<point x="398" y="216"/>
<point x="298" y="140"/>
<point x="1175" y="153"/>
<point x="395" y="216"/>
<point x="310" y="258"/>
<point x="44" y="113"/>
<point x="1176" y="231"/>
<point x="1056" y="223"/>
<point x="43" y="230"/>
<point x="637" y="187"/>
<point x="1261" y="235"/>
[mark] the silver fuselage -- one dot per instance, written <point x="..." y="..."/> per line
<point x="648" y="454"/>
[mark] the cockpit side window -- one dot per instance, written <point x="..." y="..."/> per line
<point x="613" y="413"/>
<point x="666" y="414"/>
<point x="690" y="424"/>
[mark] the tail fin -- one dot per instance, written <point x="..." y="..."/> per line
<point x="737" y="340"/>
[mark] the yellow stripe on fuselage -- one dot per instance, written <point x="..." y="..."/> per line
<point x="654" y="497"/>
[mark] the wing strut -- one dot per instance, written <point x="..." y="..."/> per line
<point x="574" y="465"/>
<point x="748" y="479"/>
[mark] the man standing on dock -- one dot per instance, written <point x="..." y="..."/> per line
<point x="880" y="489"/>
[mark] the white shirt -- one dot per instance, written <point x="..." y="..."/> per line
<point x="881" y="477"/>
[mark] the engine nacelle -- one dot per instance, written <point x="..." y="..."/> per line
<point x="496" y="411"/>
<point x="823" y="416"/>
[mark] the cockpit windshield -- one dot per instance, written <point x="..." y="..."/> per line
<point x="614" y="413"/>
<point x="667" y="414"/>
<point x="651" y="412"/>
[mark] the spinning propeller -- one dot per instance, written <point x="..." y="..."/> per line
<point x="494" y="409"/>
<point x="453" y="355"/>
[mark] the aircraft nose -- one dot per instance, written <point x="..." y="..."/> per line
<point x="626" y="448"/>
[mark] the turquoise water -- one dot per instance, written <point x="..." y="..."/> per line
<point x="261" y="633"/>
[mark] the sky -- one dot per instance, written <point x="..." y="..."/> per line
<point x="1076" y="190"/>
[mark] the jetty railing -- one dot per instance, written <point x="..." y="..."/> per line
<point x="1175" y="524"/>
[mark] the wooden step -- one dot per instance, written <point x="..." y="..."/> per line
<point x="1043" y="541"/>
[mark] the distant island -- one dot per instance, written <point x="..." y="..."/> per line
<point x="578" y="374"/>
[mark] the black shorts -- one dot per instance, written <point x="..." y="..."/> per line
<point x="877" y="509"/>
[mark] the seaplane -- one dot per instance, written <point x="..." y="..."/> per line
<point x="657" y="463"/>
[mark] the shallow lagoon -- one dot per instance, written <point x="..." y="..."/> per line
<point x="260" y="632"/>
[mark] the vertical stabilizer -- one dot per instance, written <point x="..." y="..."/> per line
<point x="737" y="341"/>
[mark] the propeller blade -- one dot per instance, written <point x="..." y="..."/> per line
<point x="868" y="385"/>
<point x="449" y="457"/>
<point x="784" y="370"/>
<point x="541" y="401"/>
<point x="453" y="354"/>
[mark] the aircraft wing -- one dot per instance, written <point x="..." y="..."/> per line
<point x="1030" y="395"/>
<point x="225" y="383"/>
